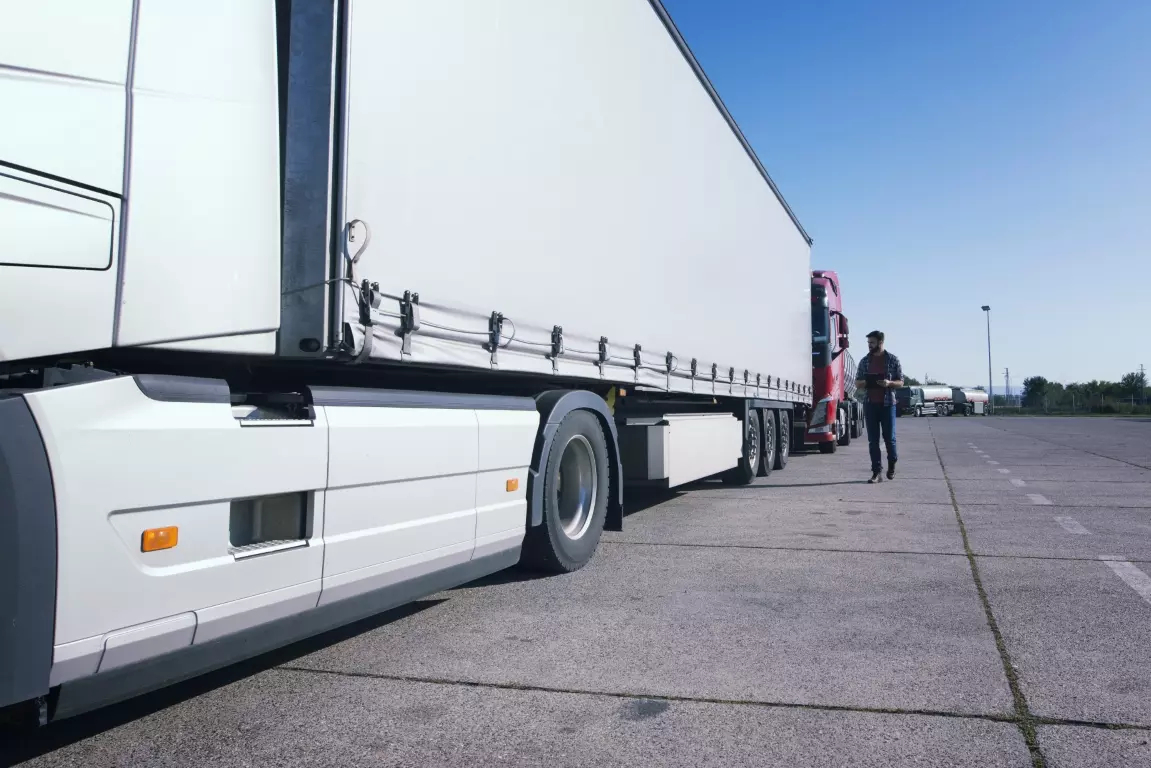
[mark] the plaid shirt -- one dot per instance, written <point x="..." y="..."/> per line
<point x="894" y="373"/>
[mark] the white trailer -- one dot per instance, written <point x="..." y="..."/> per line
<point x="311" y="309"/>
<point x="969" y="402"/>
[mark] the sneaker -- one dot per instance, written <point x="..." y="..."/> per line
<point x="891" y="470"/>
<point x="876" y="477"/>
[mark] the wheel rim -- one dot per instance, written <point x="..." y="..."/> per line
<point x="576" y="486"/>
<point x="752" y="444"/>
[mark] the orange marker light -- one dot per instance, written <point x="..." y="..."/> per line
<point x="159" y="538"/>
<point x="513" y="485"/>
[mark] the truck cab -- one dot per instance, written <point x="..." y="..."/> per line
<point x="836" y="415"/>
<point x="909" y="400"/>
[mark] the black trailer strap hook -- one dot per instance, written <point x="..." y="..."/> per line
<point x="495" y="335"/>
<point x="369" y="300"/>
<point x="409" y="321"/>
<point x="557" y="347"/>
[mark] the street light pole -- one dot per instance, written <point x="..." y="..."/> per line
<point x="990" y="396"/>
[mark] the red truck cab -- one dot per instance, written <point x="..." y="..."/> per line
<point x="836" y="415"/>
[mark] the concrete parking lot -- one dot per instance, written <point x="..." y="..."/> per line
<point x="990" y="607"/>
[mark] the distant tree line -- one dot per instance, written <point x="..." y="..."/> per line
<point x="1128" y="395"/>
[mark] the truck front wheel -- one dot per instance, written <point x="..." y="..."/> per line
<point x="844" y="428"/>
<point x="575" y="487"/>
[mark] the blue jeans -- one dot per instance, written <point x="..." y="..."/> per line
<point x="880" y="417"/>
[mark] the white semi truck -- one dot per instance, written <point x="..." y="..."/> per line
<point x="311" y="308"/>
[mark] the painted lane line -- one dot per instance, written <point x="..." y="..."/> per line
<point x="1005" y="471"/>
<point x="1039" y="498"/>
<point x="1135" y="578"/>
<point x="1017" y="482"/>
<point x="1071" y="525"/>
<point x="989" y="461"/>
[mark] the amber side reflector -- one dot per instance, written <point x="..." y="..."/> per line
<point x="159" y="538"/>
<point x="513" y="485"/>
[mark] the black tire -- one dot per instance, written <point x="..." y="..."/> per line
<point x="782" y="439"/>
<point x="856" y="426"/>
<point x="767" y="441"/>
<point x="919" y="412"/>
<point x="845" y="438"/>
<point x="548" y="547"/>
<point x="745" y="472"/>
<point x="828" y="447"/>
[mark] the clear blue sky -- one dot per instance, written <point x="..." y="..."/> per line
<point x="949" y="155"/>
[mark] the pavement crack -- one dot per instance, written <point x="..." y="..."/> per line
<point x="1099" y="724"/>
<point x="647" y="696"/>
<point x="1024" y="719"/>
<point x="833" y="550"/>
<point x="1012" y="719"/>
<point x="779" y="548"/>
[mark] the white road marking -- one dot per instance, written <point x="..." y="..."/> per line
<point x="1005" y="471"/>
<point x="1017" y="482"/>
<point x="1039" y="498"/>
<point x="1135" y="578"/>
<point x="989" y="461"/>
<point x="1071" y="525"/>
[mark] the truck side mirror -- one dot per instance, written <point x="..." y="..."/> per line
<point x="843" y="327"/>
<point x="843" y="340"/>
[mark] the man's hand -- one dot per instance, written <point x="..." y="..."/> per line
<point x="885" y="383"/>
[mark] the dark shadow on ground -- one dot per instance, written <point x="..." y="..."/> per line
<point x="20" y="743"/>
<point x="809" y="485"/>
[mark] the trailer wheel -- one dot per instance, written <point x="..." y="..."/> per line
<point x="767" y="451"/>
<point x="575" y="498"/>
<point x="845" y="435"/>
<point x="747" y="469"/>
<point x="783" y="439"/>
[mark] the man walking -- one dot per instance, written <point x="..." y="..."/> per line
<point x="880" y="374"/>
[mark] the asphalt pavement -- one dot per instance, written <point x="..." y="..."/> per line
<point x="989" y="607"/>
